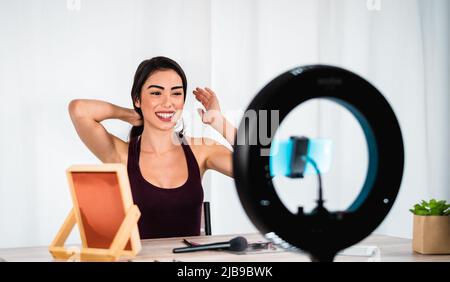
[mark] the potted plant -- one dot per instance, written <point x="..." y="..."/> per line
<point x="431" y="228"/>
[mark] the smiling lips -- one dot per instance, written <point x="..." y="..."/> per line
<point x="165" y="116"/>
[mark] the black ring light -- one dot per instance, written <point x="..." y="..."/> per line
<point x="322" y="236"/>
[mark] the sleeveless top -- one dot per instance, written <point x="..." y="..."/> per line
<point x="166" y="212"/>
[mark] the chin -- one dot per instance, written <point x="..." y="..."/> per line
<point x="164" y="127"/>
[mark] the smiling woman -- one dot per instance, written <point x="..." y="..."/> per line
<point x="167" y="191"/>
<point x="149" y="80"/>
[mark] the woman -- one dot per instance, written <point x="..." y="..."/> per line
<point x="165" y="176"/>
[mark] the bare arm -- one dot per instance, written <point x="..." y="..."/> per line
<point x="87" y="116"/>
<point x="219" y="157"/>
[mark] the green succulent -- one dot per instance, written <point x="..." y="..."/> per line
<point x="432" y="207"/>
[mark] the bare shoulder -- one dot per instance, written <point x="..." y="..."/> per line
<point x="200" y="141"/>
<point x="203" y="146"/>
<point x="200" y="146"/>
<point x="212" y="154"/>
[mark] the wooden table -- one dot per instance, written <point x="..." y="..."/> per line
<point x="389" y="249"/>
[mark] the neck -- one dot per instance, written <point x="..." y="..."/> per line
<point x="158" y="141"/>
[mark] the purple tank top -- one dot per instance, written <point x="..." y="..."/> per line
<point x="166" y="212"/>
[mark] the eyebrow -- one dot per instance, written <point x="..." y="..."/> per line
<point x="162" y="88"/>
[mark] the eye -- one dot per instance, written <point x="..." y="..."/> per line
<point x="178" y="94"/>
<point x="155" y="93"/>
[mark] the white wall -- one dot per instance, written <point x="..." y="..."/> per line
<point x="402" y="49"/>
<point x="50" y="55"/>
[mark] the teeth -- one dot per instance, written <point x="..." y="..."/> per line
<point x="164" y="115"/>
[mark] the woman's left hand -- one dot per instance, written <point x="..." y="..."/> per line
<point x="213" y="116"/>
<point x="209" y="100"/>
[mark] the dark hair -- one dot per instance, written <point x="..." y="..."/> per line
<point x="144" y="70"/>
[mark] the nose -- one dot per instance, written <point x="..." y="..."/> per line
<point x="167" y="102"/>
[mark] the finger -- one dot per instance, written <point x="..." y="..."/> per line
<point x="204" y="104"/>
<point x="201" y="92"/>
<point x="204" y="92"/>
<point x="210" y="91"/>
<point x="202" y="98"/>
<point x="201" y="113"/>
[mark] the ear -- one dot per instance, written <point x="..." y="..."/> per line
<point x="137" y="103"/>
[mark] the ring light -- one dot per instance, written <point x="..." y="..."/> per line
<point x="321" y="235"/>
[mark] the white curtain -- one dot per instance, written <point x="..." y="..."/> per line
<point x="51" y="53"/>
<point x="400" y="46"/>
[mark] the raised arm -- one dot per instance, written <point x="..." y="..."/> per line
<point x="213" y="115"/>
<point x="218" y="157"/>
<point x="87" y="116"/>
<point x="221" y="160"/>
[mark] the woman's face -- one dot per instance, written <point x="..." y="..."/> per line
<point x="162" y="99"/>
